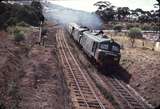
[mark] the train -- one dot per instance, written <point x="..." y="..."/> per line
<point x="98" y="47"/>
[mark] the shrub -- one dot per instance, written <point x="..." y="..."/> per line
<point x="133" y="34"/>
<point x="12" y="21"/>
<point x="132" y="25"/>
<point x="146" y="27"/>
<point x="155" y="28"/>
<point x="117" y="28"/>
<point x="16" y="31"/>
<point x="18" y="37"/>
<point x="22" y="24"/>
<point x="129" y="26"/>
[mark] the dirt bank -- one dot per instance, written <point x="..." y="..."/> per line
<point x="144" y="69"/>
<point x="31" y="78"/>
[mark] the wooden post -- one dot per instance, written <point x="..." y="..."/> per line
<point x="157" y="46"/>
<point x="40" y="31"/>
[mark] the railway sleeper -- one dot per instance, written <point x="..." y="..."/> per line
<point x="84" y="93"/>
<point x="73" y="83"/>
<point x="124" y="93"/>
<point x="91" y="99"/>
<point x="82" y="88"/>
<point x="83" y="85"/>
<point x="91" y="104"/>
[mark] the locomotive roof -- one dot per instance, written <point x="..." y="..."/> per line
<point x="95" y="37"/>
<point x="74" y="25"/>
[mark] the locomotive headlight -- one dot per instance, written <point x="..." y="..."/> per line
<point x="115" y="48"/>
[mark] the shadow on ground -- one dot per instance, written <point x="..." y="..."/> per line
<point x="119" y="72"/>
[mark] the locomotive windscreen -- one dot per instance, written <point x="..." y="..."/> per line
<point x="110" y="46"/>
<point x="104" y="46"/>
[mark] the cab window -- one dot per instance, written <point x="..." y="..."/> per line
<point x="104" y="46"/>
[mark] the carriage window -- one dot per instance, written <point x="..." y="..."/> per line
<point x="104" y="46"/>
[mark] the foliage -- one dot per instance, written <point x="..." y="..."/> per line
<point x="108" y="12"/>
<point x="158" y="4"/>
<point x="105" y="10"/>
<point x="22" y="24"/>
<point x="122" y="12"/>
<point x="102" y="4"/>
<point x="155" y="28"/>
<point x="133" y="34"/>
<point x="13" y="14"/>
<point x="146" y="27"/>
<point x="18" y="37"/>
<point x="37" y="5"/>
<point x="117" y="28"/>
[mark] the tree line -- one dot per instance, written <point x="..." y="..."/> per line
<point x="12" y="14"/>
<point x="109" y="12"/>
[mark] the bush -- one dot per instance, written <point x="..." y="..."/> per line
<point x="117" y="28"/>
<point x="22" y="24"/>
<point x="132" y="25"/>
<point x="134" y="33"/>
<point x="12" y="21"/>
<point x="18" y="37"/>
<point x="155" y="28"/>
<point x="146" y="27"/>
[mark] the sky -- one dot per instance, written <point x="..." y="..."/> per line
<point x="87" y="5"/>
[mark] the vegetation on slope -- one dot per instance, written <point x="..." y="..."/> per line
<point x="13" y="14"/>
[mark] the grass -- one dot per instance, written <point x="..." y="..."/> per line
<point x="140" y="43"/>
<point x="106" y="93"/>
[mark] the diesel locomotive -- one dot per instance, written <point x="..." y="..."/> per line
<point x="100" y="48"/>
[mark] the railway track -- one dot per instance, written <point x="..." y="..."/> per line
<point x="129" y="100"/>
<point x="82" y="92"/>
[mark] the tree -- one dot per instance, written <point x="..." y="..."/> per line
<point x="105" y="10"/>
<point x="11" y="14"/>
<point x="122" y="12"/>
<point x="102" y="5"/>
<point x="158" y="4"/>
<point x="133" y="34"/>
<point x="37" y="5"/>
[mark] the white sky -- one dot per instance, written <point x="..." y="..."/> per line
<point x="87" y="5"/>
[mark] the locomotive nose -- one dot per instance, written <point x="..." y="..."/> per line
<point x="108" y="58"/>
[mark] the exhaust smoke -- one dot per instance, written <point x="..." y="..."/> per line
<point x="65" y="15"/>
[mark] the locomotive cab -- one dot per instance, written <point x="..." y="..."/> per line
<point x="108" y="53"/>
